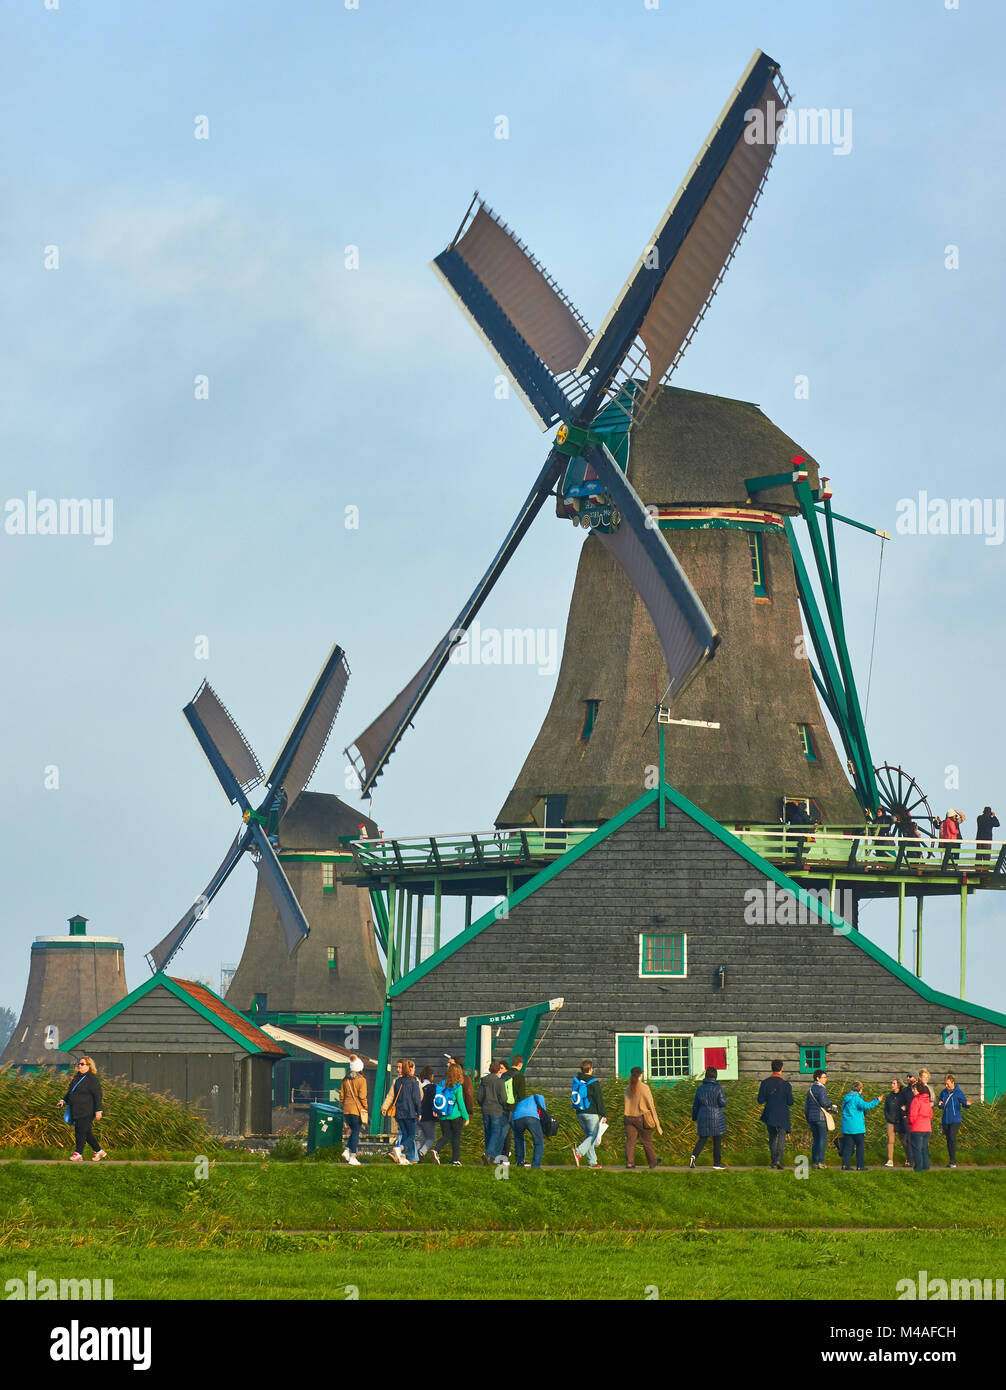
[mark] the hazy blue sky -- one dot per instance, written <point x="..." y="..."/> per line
<point x="332" y="388"/>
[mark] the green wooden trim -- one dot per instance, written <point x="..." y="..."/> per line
<point x="180" y="993"/>
<point x="308" y="1020"/>
<point x="285" y="858"/>
<point x="381" y="1076"/>
<point x="756" y="546"/>
<point x="861" y="525"/>
<point x="716" y="523"/>
<point x="540" y="879"/>
<point x="807" y="1069"/>
<point x="770" y="480"/>
<point x="76" y="943"/>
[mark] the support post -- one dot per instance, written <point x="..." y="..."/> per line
<point x="407" y="949"/>
<point x="381" y="1078"/>
<point x="662" y="814"/>
<point x="419" y="928"/>
<point x="964" y="935"/>
<point x="918" y="935"/>
<point x="399" y="932"/>
<point x="468" y="911"/>
<point x="436" y="915"/>
<point x="901" y="922"/>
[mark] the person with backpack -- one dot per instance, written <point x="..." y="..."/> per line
<point x="82" y="1105"/>
<point x="466" y="1083"/>
<point x="515" y="1086"/>
<point x="353" y="1099"/>
<point x="641" y="1119"/>
<point x="426" y="1128"/>
<point x="815" y="1106"/>
<point x="952" y="1103"/>
<point x="450" y="1109"/>
<point x="920" y="1126"/>
<point x="708" y="1105"/>
<point x="408" y="1099"/>
<point x="493" y="1104"/>
<point x="854" y="1109"/>
<point x="588" y="1102"/>
<point x="776" y="1095"/>
<point x="526" y="1122"/>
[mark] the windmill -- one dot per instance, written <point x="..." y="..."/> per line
<point x="292" y="832"/>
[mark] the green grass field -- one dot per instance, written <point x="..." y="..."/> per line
<point x="321" y="1231"/>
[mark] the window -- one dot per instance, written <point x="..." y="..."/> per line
<point x="333" y="959"/>
<point x="328" y="878"/>
<point x="807" y="743"/>
<point x="667" y="1057"/>
<point x="590" y="718"/>
<point x="954" y="1036"/>
<point x="812" y="1059"/>
<point x="662" y="955"/>
<point x="756" y="545"/>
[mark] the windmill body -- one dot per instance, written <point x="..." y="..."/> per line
<point x="689" y="461"/>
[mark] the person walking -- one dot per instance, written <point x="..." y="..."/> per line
<point x="776" y="1095"/>
<point x="854" y="1109"/>
<point x="920" y="1125"/>
<point x="987" y="822"/>
<point x="456" y="1116"/>
<point x="388" y="1104"/>
<point x="353" y="1099"/>
<point x="466" y="1084"/>
<point x="952" y="1103"/>
<point x="641" y="1119"/>
<point x="897" y="1123"/>
<point x="591" y="1116"/>
<point x="526" y="1122"/>
<point x="83" y="1097"/>
<point x="493" y="1104"/>
<point x="408" y="1099"/>
<point x="708" y="1105"/>
<point x="426" y="1128"/>
<point x="815" y="1106"/>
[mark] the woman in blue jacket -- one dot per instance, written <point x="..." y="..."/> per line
<point x="854" y="1109"/>
<point x="952" y="1103"/>
<point x="815" y="1104"/>
<point x="708" y="1105"/>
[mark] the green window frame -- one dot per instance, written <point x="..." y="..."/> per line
<point x="807" y="742"/>
<point x="662" y="953"/>
<point x="328" y="878"/>
<point x="333" y="959"/>
<point x="812" y="1058"/>
<point x="959" y="1035"/>
<point x="756" y="546"/>
<point x="590" y="718"/>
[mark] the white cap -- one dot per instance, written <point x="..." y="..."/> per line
<point x="356" y="1065"/>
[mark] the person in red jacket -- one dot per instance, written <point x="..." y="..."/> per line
<point x="920" y="1126"/>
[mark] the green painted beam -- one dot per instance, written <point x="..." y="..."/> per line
<point x="377" y="1120"/>
<point x="860" y="525"/>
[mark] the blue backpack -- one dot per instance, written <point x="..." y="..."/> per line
<point x="443" y="1099"/>
<point x="579" y="1097"/>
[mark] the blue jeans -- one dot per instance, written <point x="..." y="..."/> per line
<point x="353" y="1122"/>
<point x="496" y="1127"/>
<point x="590" y="1125"/>
<point x="528" y="1125"/>
<point x="920" y="1152"/>
<point x="407" y="1138"/>
<point x="819" y="1140"/>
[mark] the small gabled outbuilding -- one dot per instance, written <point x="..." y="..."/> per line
<point x="177" y="1036"/>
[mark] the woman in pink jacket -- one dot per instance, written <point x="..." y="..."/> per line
<point x="920" y="1126"/>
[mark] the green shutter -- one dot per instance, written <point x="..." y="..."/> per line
<point x="628" y="1052"/>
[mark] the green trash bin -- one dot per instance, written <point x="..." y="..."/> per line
<point x="324" y="1126"/>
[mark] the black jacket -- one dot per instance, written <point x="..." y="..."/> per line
<point x="986" y="825"/>
<point x="85" y="1100"/>
<point x="893" y="1112"/>
<point x="519" y="1085"/>
<point x="595" y="1096"/>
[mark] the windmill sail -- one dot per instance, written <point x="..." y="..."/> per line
<point x="227" y="750"/>
<point x="378" y="741"/>
<point x="679" y="271"/>
<point x="291" y="915"/>
<point x="302" y="751"/>
<point x="526" y="321"/>
<point x="686" y="632"/>
<point x="159" y="956"/>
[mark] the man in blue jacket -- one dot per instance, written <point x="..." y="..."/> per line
<point x="854" y="1109"/>
<point x="776" y="1095"/>
<point x="526" y="1121"/>
<point x="952" y="1103"/>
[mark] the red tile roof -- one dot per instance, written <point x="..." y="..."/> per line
<point x="261" y="1041"/>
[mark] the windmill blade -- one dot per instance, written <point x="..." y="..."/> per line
<point x="270" y="871"/>
<point x="227" y="750"/>
<point x="379" y="740"/>
<point x="161" y="954"/>
<point x="675" y="278"/>
<point x="302" y="751"/>
<point x="525" y="320"/>
<point x="685" y="630"/>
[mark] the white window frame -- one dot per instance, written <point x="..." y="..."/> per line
<point x="660" y="974"/>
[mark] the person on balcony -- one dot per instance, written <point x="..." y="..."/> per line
<point x="987" y="822"/>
